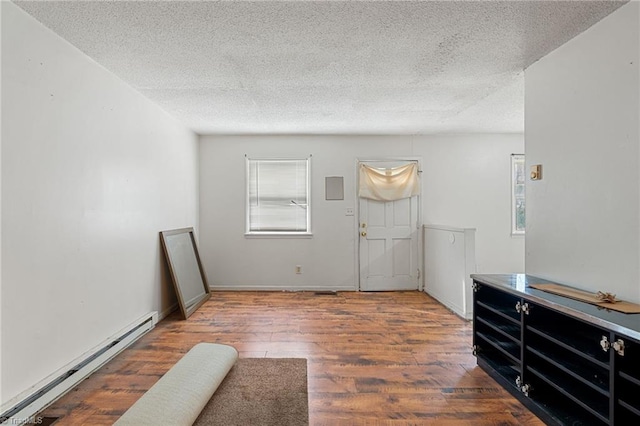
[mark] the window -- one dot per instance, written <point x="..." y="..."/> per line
<point x="517" y="194"/>
<point x="278" y="196"/>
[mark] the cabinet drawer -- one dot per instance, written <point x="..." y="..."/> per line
<point x="586" y="374"/>
<point x="498" y="302"/>
<point x="562" y="405"/>
<point x="627" y="380"/>
<point x="576" y="336"/>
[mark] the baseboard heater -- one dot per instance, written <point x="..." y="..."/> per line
<point x="54" y="387"/>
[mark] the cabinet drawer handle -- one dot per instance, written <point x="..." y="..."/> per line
<point x="605" y="344"/>
<point x="518" y="307"/>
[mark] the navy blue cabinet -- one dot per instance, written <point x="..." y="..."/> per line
<point x="569" y="362"/>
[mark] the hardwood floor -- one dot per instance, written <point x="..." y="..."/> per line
<point x="373" y="358"/>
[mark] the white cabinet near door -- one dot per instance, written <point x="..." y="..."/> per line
<point x="449" y="260"/>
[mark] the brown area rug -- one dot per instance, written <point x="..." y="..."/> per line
<point x="260" y="391"/>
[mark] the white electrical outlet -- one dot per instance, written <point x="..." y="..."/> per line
<point x="348" y="211"/>
<point x="298" y="269"/>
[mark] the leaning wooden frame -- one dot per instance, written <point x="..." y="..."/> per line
<point x="187" y="273"/>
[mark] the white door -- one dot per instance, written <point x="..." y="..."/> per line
<point x="388" y="242"/>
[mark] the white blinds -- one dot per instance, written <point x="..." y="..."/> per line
<point x="388" y="184"/>
<point x="278" y="195"/>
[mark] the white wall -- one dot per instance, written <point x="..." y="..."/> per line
<point x="91" y="172"/>
<point x="460" y="188"/>
<point x="582" y="124"/>
<point x="467" y="184"/>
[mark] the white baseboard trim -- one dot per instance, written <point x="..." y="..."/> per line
<point x="279" y="288"/>
<point x="32" y="401"/>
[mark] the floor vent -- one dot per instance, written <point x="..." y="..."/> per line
<point x="26" y="409"/>
<point x="326" y="293"/>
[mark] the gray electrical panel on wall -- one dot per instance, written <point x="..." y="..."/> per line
<point x="334" y="188"/>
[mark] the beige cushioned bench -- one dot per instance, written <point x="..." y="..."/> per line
<point x="181" y="394"/>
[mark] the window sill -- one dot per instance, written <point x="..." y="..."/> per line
<point x="278" y="235"/>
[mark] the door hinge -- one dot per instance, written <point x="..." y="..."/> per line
<point x="418" y="273"/>
<point x="522" y="307"/>
<point x="618" y="346"/>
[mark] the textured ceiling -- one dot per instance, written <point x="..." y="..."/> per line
<point x="385" y="67"/>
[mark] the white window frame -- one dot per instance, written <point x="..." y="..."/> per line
<point x="277" y="234"/>
<point x="517" y="160"/>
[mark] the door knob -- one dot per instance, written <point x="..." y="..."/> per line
<point x="364" y="234"/>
